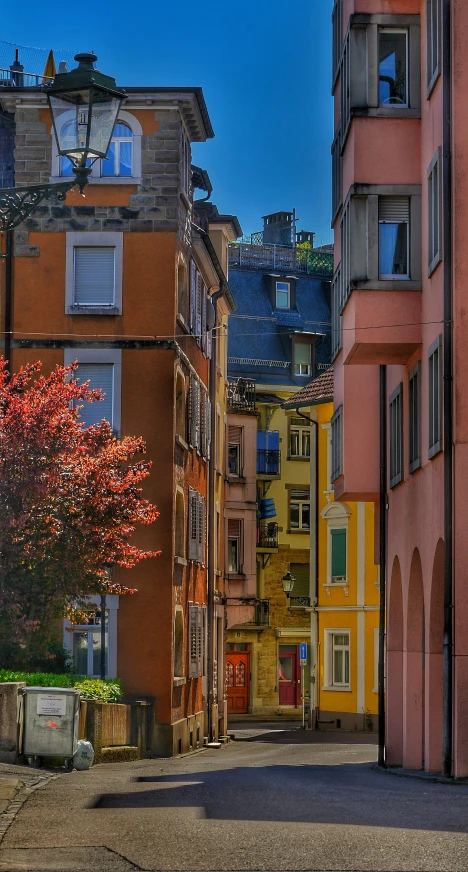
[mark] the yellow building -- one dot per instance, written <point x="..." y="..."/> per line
<point x="344" y="591"/>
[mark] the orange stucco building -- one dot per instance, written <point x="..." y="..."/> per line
<point x="123" y="281"/>
<point x="400" y="80"/>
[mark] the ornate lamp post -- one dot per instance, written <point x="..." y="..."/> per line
<point x="92" y="102"/>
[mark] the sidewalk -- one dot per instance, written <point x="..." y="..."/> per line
<point x="16" y="785"/>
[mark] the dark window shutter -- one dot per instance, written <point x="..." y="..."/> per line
<point x="193" y="651"/>
<point x="301" y="572"/>
<point x="338" y="553"/>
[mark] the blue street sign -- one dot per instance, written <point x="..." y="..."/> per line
<point x="303" y="653"/>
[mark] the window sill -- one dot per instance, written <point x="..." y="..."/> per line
<point x="340" y="584"/>
<point x="178" y="682"/>
<point x="181" y="442"/>
<point x="305" y="532"/>
<point x="302" y="457"/>
<point x="397" y="284"/>
<point x="236" y="479"/>
<point x="236" y="576"/>
<point x="93" y="310"/>
<point x="181" y="561"/>
<point x="336" y="689"/>
<point x="181" y="320"/>
<point x="106" y="180"/>
<point x="385" y="112"/>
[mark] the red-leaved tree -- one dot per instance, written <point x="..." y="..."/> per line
<point x="70" y="499"/>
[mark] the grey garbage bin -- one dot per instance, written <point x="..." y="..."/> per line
<point x="48" y="719"/>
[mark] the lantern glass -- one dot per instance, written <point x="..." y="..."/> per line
<point x="288" y="582"/>
<point x="84" y="122"/>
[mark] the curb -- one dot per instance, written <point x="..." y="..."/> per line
<point x="427" y="777"/>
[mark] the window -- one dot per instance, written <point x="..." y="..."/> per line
<point x="197" y="527"/>
<point x="199" y="302"/>
<point x="180" y="524"/>
<point x="414" y="403"/>
<point x="197" y="634"/>
<point x="94" y="273"/>
<point x="337" y="174"/>
<point x="268" y="453"/>
<point x="336" y="304"/>
<point x="180" y="405"/>
<point x="182" y="290"/>
<point x="103" y="368"/>
<point x="302" y="358"/>
<point x="185" y="172"/>
<point x="434" y="241"/>
<point x="299" y="437"/>
<point x="394" y="216"/>
<point x="393" y="67"/>
<point x="179" y="670"/>
<point x="234" y="546"/>
<point x="235" y="450"/>
<point x="380" y="68"/>
<point x="299" y="509"/>
<point x="205" y="425"/>
<point x="99" y="375"/>
<point x="83" y="641"/>
<point x="435" y="399"/>
<point x="282" y="295"/>
<point x="123" y="159"/>
<point x="337" y="25"/>
<point x="86" y="646"/>
<point x="301" y="589"/>
<point x="432" y="43"/>
<point x="339" y="658"/>
<point x="396" y="436"/>
<point x="94" y="279"/>
<point x="120" y="155"/>
<point x="338" y="555"/>
<point x="337" y="444"/>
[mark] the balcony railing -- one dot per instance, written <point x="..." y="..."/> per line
<point x="312" y="261"/>
<point x="241" y="395"/>
<point x="261" y="616"/>
<point x="16" y="79"/>
<point x="299" y="602"/>
<point x="267" y="535"/>
<point x="268" y="463"/>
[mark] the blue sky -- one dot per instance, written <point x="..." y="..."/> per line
<point x="264" y="67"/>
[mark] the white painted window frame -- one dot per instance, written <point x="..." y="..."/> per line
<point x="90" y="239"/>
<point x="329" y="634"/>
<point x="102" y="355"/>
<point x="337" y="516"/>
<point x="112" y="607"/>
<point x="95" y="177"/>
<point x="282" y="291"/>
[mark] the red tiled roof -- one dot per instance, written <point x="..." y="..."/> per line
<point x="320" y="390"/>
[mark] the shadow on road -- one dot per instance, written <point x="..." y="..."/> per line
<point x="349" y="794"/>
<point x="297" y="736"/>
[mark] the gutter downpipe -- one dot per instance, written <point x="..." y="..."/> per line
<point x="8" y="296"/>
<point x="447" y="709"/>
<point x="313" y="628"/>
<point x="382" y="560"/>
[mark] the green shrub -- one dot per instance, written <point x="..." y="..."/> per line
<point x="109" y="690"/>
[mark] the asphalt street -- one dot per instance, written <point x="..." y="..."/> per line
<point x="274" y="799"/>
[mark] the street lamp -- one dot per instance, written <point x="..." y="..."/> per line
<point x="92" y="101"/>
<point x="288" y="583"/>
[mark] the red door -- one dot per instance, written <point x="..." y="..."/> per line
<point x="289" y="679"/>
<point x="237" y="682"/>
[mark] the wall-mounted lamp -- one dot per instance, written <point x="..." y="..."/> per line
<point x="288" y="583"/>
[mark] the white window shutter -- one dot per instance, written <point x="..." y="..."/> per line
<point x="193" y="525"/>
<point x="193" y="295"/>
<point x="100" y="375"/>
<point x="94" y="276"/>
<point x="203" y="426"/>
<point x="192" y="641"/>
<point x="209" y="341"/>
<point x="201" y="529"/>
<point x="203" y="611"/>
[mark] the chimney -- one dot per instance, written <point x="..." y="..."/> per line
<point x="278" y="229"/>
<point x="305" y="236"/>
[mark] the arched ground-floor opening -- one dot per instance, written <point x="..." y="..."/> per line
<point x="394" y="669"/>
<point x="414" y="669"/>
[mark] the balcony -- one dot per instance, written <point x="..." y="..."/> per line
<point x="268" y="463"/>
<point x="299" y="602"/>
<point x="241" y="395"/>
<point x="260" y="610"/>
<point x="267" y="536"/>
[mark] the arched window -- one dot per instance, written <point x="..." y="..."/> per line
<point x="181" y="428"/>
<point x="180" y="525"/>
<point x="124" y="155"/>
<point x="120" y="155"/>
<point x="182" y="290"/>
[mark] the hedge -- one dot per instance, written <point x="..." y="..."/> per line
<point x="109" y="690"/>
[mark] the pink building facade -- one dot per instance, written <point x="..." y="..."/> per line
<point x="400" y="298"/>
